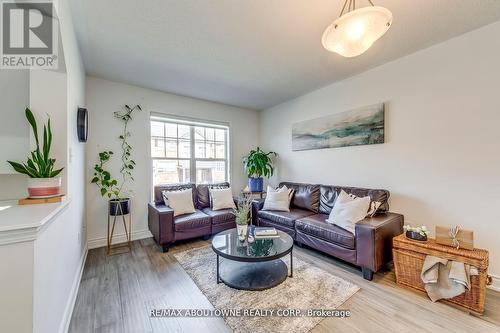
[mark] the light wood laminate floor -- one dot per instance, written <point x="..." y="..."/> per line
<point x="117" y="293"/>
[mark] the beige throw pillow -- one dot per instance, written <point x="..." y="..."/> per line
<point x="278" y="200"/>
<point x="347" y="211"/>
<point x="180" y="201"/>
<point x="374" y="205"/>
<point x="222" y="198"/>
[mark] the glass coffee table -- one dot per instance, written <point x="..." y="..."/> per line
<point x="252" y="266"/>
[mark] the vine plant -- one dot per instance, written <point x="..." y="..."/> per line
<point x="128" y="163"/>
<point x="108" y="186"/>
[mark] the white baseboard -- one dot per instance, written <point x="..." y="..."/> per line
<point x="70" y="305"/>
<point x="118" y="238"/>
<point x="495" y="284"/>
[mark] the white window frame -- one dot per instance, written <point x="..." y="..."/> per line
<point x="192" y="123"/>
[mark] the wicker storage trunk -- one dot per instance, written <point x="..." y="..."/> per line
<point x="409" y="256"/>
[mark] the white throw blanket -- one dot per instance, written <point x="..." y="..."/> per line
<point x="445" y="278"/>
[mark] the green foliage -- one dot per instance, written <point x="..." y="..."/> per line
<point x="258" y="163"/>
<point x="242" y="212"/>
<point x="128" y="164"/>
<point x="108" y="186"/>
<point x="39" y="163"/>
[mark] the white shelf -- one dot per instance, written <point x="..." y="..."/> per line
<point x="21" y="223"/>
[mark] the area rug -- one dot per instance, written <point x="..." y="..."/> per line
<point x="309" y="288"/>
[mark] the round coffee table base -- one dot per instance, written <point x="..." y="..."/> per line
<point x="253" y="275"/>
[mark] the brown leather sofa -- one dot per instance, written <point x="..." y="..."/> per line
<point x="371" y="245"/>
<point x="167" y="229"/>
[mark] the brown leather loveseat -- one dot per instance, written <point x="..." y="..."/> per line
<point x="371" y="245"/>
<point x="167" y="229"/>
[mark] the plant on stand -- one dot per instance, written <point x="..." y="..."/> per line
<point x="112" y="189"/>
<point x="43" y="180"/>
<point x="258" y="164"/>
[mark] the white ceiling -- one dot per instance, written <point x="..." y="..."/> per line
<point x="250" y="53"/>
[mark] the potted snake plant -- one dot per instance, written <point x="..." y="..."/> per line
<point x="258" y="164"/>
<point x="44" y="181"/>
<point x="112" y="189"/>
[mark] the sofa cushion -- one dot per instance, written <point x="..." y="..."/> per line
<point x="220" y="216"/>
<point x="203" y="193"/>
<point x="284" y="218"/>
<point x="316" y="226"/>
<point x="305" y="196"/>
<point x="278" y="199"/>
<point x="222" y="198"/>
<point x="180" y="201"/>
<point x="328" y="195"/>
<point x="195" y="220"/>
<point x="158" y="191"/>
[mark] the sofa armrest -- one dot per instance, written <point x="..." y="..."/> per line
<point x="257" y="204"/>
<point x="374" y="239"/>
<point x="161" y="223"/>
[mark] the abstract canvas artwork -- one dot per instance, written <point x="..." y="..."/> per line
<point x="361" y="126"/>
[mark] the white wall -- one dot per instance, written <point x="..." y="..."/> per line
<point x="65" y="242"/>
<point x="104" y="97"/>
<point x="14" y="132"/>
<point x="442" y="153"/>
<point x="48" y="99"/>
<point x="14" y="186"/>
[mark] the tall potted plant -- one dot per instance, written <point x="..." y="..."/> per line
<point x="258" y="164"/>
<point x="110" y="188"/>
<point x="43" y="181"/>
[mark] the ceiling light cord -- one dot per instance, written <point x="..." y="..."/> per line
<point x="350" y="5"/>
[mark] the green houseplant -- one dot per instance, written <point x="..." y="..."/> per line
<point x="241" y="213"/>
<point x="44" y="180"/>
<point x="257" y="164"/>
<point x="109" y="187"/>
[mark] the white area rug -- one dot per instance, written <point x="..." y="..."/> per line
<point x="309" y="288"/>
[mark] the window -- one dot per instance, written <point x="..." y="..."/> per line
<point x="184" y="152"/>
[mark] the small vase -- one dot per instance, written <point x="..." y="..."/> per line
<point x="44" y="187"/>
<point x="416" y="236"/>
<point x="242" y="231"/>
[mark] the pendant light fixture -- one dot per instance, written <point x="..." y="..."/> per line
<point x="356" y="29"/>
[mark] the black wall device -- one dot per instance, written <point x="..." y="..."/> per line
<point x="82" y="124"/>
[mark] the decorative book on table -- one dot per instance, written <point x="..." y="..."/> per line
<point x="265" y="232"/>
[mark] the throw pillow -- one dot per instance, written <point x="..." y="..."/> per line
<point x="290" y="193"/>
<point x="374" y="205"/>
<point x="347" y="211"/>
<point x="278" y="200"/>
<point x="180" y="201"/>
<point x="222" y="198"/>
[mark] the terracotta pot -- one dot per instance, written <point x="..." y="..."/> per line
<point x="44" y="187"/>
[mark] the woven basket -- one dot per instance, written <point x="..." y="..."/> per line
<point x="409" y="256"/>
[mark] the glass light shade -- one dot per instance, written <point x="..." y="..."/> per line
<point x="353" y="33"/>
